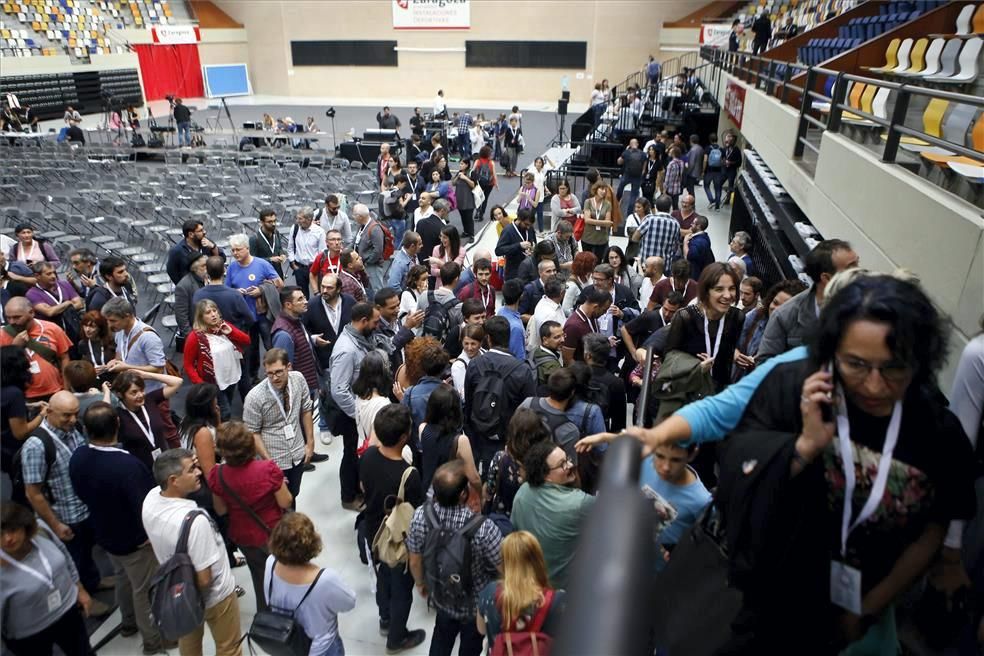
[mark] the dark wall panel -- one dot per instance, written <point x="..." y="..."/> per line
<point x="526" y="54"/>
<point x="344" y="53"/>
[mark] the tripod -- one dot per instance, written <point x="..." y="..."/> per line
<point x="334" y="145"/>
<point x="561" y="138"/>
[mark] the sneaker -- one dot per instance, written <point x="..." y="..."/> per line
<point x="413" y="639"/>
<point x="127" y="631"/>
<point x="356" y="504"/>
<point x="309" y="467"/>
<point x="384" y="627"/>
<point x="167" y="644"/>
<point x="99" y="609"/>
<point x="319" y="457"/>
<point x="240" y="591"/>
<point x="107" y="583"/>
<point x="326" y="437"/>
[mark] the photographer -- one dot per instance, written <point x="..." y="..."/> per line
<point x="182" y="116"/>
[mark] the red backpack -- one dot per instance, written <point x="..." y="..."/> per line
<point x="532" y="641"/>
<point x="389" y="244"/>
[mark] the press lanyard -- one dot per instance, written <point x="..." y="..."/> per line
<point x="48" y="580"/>
<point x="125" y="350"/>
<point x="102" y="354"/>
<point x="847" y="458"/>
<point x="593" y="326"/>
<point x="717" y="340"/>
<point x="57" y="440"/>
<point x="357" y="281"/>
<point x="485" y="296"/>
<point x="280" y="404"/>
<point x="685" y="286"/>
<point x="269" y="245"/>
<point x="27" y="257"/>
<point x="50" y="295"/>
<point x="525" y="237"/>
<point x="146" y="430"/>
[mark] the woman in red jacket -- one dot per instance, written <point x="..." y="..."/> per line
<point x="213" y="353"/>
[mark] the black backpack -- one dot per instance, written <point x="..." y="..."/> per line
<point x="276" y="630"/>
<point x="597" y="393"/>
<point x="176" y="605"/>
<point x="488" y="418"/>
<point x="17" y="469"/>
<point x="447" y="561"/>
<point x="564" y="431"/>
<point x="437" y="317"/>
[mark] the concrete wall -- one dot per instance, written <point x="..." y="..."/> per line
<point x="893" y="217"/>
<point x="612" y="51"/>
<point x="675" y="41"/>
<point x="62" y="64"/>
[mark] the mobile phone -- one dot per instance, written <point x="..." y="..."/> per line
<point x="827" y="408"/>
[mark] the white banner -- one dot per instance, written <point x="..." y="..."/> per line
<point x="176" y="34"/>
<point x="431" y="14"/>
<point x="715" y="35"/>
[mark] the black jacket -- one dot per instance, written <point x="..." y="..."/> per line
<point x="518" y="385"/>
<point x="782" y="531"/>
<point x="532" y="294"/>
<point x="509" y="247"/>
<point x="182" y="114"/>
<point x="316" y="322"/>
<point x="615" y="421"/>
<point x="429" y="229"/>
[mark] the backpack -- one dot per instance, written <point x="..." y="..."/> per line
<point x="564" y="431"/>
<point x="598" y="394"/>
<point x="389" y="244"/>
<point x="17" y="468"/>
<point x="389" y="544"/>
<point x="447" y="561"/>
<point x="532" y="641"/>
<point x="169" y="368"/>
<point x="437" y="317"/>
<point x="176" y="604"/>
<point x="488" y="402"/>
<point x="484" y="173"/>
<point x="276" y="630"/>
<point x="715" y="157"/>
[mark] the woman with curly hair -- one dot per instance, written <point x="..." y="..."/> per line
<point x="14" y="423"/>
<point x="254" y="494"/>
<point x="291" y="577"/>
<point x="584" y="264"/>
<point x="522" y="600"/>
<point x="505" y="473"/>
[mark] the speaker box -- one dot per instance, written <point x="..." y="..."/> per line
<point x="562" y="106"/>
<point x="566" y="95"/>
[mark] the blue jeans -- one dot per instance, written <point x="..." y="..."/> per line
<point x="184" y="134"/>
<point x="337" y="648"/>
<point x="634" y="193"/>
<point x="715" y="180"/>
<point x="398" y="227"/>
<point x="539" y="217"/>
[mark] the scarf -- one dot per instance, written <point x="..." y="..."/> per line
<point x="360" y="340"/>
<point x="205" y="364"/>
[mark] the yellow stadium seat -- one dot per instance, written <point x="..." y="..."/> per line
<point x="891" y="57"/>
<point x="977" y="143"/>
<point x="932" y="123"/>
<point x="917" y="56"/>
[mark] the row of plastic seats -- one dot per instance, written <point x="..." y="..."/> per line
<point x="921" y="6"/>
<point x="944" y="61"/>
<point x="819" y="50"/>
<point x="868" y="27"/>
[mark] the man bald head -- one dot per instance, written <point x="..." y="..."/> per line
<point x="63" y="410"/>
<point x="482" y="254"/>
<point x="653" y="266"/>
<point x="20" y="312"/>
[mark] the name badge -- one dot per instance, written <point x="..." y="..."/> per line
<point x="155" y="454"/>
<point x="54" y="600"/>
<point x="289" y="432"/>
<point x="845" y="586"/>
<point x="35" y="367"/>
<point x="598" y="228"/>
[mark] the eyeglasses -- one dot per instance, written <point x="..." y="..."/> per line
<point x="564" y="465"/>
<point x="276" y="374"/>
<point x="858" y="369"/>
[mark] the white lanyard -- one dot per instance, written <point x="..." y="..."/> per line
<point x="685" y="286"/>
<point x="125" y="346"/>
<point x="269" y="245"/>
<point x="102" y="354"/>
<point x="279" y="399"/>
<point x="57" y="440"/>
<point x="717" y="340"/>
<point x="485" y="296"/>
<point x="358" y="237"/>
<point x="50" y="295"/>
<point x="593" y="326"/>
<point x="361" y="286"/>
<point x="48" y="580"/>
<point x="146" y="430"/>
<point x="525" y="237"/>
<point x="662" y="318"/>
<point x="847" y="456"/>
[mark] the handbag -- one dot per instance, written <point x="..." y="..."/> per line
<point x="479" y="195"/>
<point x="579" y="227"/>
<point x="277" y="632"/>
<point x="696" y="606"/>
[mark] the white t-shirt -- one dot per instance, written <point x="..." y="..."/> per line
<point x="365" y="413"/>
<point x="162" y="518"/>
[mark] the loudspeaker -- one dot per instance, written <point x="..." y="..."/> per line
<point x="566" y="95"/>
<point x="562" y="107"/>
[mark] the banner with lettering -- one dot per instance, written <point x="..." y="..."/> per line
<point x="431" y="14"/>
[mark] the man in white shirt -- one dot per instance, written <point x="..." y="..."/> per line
<point x="440" y="107"/>
<point x="163" y="514"/>
<point x="547" y="309"/>
<point x="306" y="241"/>
<point x="652" y="271"/>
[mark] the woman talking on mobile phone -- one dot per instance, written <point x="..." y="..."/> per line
<point x="815" y="570"/>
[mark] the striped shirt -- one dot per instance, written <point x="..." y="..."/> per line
<point x="65" y="503"/>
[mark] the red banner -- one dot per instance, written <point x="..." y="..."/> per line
<point x="734" y="102"/>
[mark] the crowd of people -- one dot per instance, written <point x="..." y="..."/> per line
<point x="474" y="393"/>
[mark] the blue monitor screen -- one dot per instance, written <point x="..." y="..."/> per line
<point x="226" y="80"/>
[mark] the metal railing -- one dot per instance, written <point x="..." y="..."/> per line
<point x="775" y="78"/>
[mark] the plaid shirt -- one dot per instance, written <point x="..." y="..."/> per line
<point x="464" y="122"/>
<point x="674" y="177"/>
<point x="64" y="502"/>
<point x="486" y="554"/>
<point x="263" y="414"/>
<point x="661" y="237"/>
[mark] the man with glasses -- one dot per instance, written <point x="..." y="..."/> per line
<point x="306" y="240"/>
<point x="797" y="319"/>
<point x="331" y="217"/>
<point x="623" y="308"/>
<point x="686" y="214"/>
<point x="268" y="244"/>
<point x="328" y="261"/>
<point x="180" y="256"/>
<point x="549" y="506"/>
<point x="278" y="412"/>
